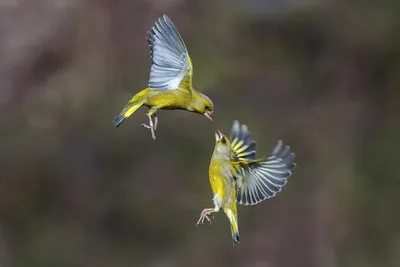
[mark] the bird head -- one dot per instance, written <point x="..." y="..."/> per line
<point x="203" y="105"/>
<point x="222" y="144"/>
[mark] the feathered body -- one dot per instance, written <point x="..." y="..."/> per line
<point x="167" y="100"/>
<point x="237" y="177"/>
<point x="170" y="83"/>
<point x="223" y="187"/>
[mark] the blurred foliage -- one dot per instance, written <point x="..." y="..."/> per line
<point x="321" y="75"/>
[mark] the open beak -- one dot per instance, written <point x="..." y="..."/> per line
<point x="218" y="136"/>
<point x="209" y="115"/>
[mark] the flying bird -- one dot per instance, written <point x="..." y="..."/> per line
<point x="170" y="83"/>
<point x="237" y="177"/>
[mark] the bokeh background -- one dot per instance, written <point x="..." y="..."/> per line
<point x="324" y="76"/>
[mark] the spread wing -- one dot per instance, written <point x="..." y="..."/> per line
<point x="171" y="66"/>
<point x="257" y="180"/>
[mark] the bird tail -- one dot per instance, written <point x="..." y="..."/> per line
<point x="232" y="216"/>
<point x="135" y="103"/>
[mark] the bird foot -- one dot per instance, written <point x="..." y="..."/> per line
<point x="152" y="126"/>
<point x="204" y="215"/>
<point x="152" y="130"/>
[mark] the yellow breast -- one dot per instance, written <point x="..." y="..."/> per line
<point x="221" y="180"/>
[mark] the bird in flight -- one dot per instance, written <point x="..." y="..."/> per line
<point x="170" y="83"/>
<point x="236" y="176"/>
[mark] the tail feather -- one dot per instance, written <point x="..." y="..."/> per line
<point x="118" y="120"/>
<point x="234" y="225"/>
<point x="125" y="113"/>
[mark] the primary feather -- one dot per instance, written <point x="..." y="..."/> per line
<point x="258" y="179"/>
<point x="171" y="63"/>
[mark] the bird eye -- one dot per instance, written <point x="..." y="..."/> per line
<point x="224" y="140"/>
<point x="207" y="107"/>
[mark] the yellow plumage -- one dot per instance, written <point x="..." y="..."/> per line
<point x="170" y="82"/>
<point x="236" y="176"/>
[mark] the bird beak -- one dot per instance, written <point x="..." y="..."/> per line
<point x="218" y="136"/>
<point x="209" y="115"/>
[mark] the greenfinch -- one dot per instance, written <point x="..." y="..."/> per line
<point x="170" y="83"/>
<point x="236" y="176"/>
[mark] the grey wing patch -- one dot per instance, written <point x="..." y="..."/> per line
<point x="264" y="179"/>
<point x="243" y="146"/>
<point x="169" y="57"/>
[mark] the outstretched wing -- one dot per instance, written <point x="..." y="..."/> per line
<point x="243" y="147"/>
<point x="171" y="66"/>
<point x="257" y="180"/>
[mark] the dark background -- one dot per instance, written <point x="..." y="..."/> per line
<point x="322" y="75"/>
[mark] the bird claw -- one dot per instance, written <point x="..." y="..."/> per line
<point x="205" y="216"/>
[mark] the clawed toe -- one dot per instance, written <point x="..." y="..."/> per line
<point x="205" y="216"/>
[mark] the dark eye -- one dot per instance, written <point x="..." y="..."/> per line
<point x="207" y="107"/>
<point x="224" y="140"/>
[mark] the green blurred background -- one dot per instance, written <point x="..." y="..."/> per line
<point x="324" y="76"/>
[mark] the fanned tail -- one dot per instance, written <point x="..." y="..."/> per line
<point x="234" y="225"/>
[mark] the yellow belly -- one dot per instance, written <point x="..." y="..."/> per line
<point x="170" y="99"/>
<point x="222" y="183"/>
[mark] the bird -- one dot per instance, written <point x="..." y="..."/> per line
<point x="170" y="82"/>
<point x="238" y="177"/>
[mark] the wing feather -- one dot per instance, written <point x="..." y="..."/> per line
<point x="171" y="67"/>
<point x="263" y="179"/>
<point x="257" y="180"/>
<point x="243" y="147"/>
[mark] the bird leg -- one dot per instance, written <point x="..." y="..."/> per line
<point x="204" y="215"/>
<point x="151" y="126"/>
<point x="155" y="121"/>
